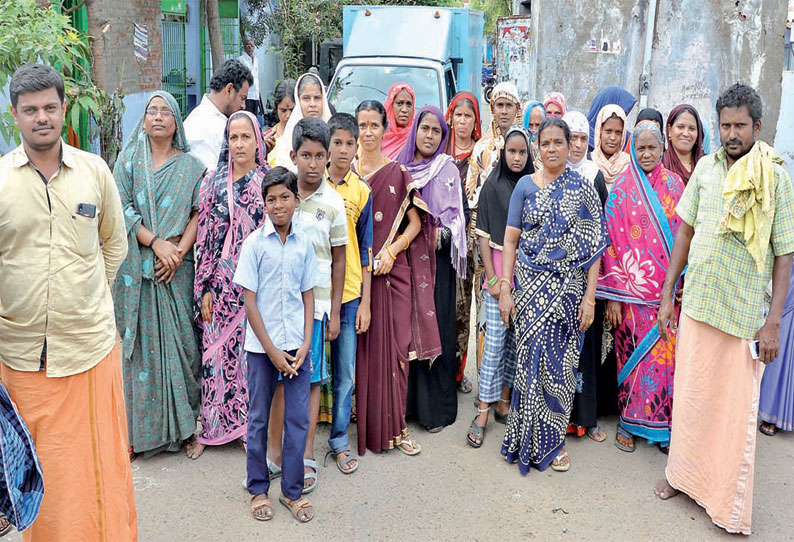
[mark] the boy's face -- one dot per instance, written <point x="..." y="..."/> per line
<point x="310" y="159"/>
<point x="343" y="149"/>
<point x="280" y="204"/>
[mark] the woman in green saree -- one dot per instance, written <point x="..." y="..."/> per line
<point x="158" y="181"/>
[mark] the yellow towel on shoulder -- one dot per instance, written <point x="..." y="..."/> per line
<point x="749" y="194"/>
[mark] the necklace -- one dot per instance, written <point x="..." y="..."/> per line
<point x="462" y="149"/>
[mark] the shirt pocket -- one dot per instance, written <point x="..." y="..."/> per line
<point x="85" y="235"/>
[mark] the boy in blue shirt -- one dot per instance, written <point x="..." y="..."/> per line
<point x="277" y="270"/>
<point x="355" y="311"/>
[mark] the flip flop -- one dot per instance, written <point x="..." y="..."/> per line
<point x="465" y="385"/>
<point x="414" y="446"/>
<point x="596" y="432"/>
<point x="620" y="445"/>
<point x="275" y="470"/>
<point x="561" y="468"/>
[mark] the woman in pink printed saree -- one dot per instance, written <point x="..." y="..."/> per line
<point x="641" y="220"/>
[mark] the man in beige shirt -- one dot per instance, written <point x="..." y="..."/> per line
<point x="62" y="239"/>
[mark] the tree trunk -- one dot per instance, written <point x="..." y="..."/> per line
<point x="214" y="30"/>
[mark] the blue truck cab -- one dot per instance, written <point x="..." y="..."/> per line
<point x="438" y="51"/>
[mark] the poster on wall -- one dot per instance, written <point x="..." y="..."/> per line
<point x="513" y="48"/>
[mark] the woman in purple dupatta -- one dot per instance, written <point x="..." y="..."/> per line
<point x="641" y="219"/>
<point x="230" y="208"/>
<point x="403" y="325"/>
<point x="432" y="385"/>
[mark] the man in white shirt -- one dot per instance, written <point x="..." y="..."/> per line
<point x="253" y="103"/>
<point x="205" y="125"/>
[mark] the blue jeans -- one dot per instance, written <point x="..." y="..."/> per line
<point x="343" y="358"/>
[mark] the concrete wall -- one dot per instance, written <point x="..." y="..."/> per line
<point x="699" y="48"/>
<point x="784" y="138"/>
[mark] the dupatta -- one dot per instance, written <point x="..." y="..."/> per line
<point x="670" y="158"/>
<point x="395" y="137"/>
<point x="611" y="167"/>
<point x="284" y="143"/>
<point x="476" y="134"/>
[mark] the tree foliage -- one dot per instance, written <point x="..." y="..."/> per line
<point x="32" y="33"/>
<point x="492" y="9"/>
<point x="297" y="22"/>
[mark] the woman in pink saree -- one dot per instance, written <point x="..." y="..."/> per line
<point x="641" y="220"/>
<point x="230" y="208"/>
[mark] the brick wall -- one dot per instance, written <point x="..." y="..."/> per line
<point x="115" y="65"/>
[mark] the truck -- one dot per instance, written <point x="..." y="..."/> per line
<point x="438" y="51"/>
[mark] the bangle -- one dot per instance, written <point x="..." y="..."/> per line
<point x="591" y="303"/>
<point x="492" y="281"/>
<point x="407" y="242"/>
<point x="155" y="238"/>
<point x="388" y="249"/>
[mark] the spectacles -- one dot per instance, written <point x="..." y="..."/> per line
<point x="166" y="113"/>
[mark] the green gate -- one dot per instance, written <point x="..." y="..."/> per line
<point x="173" y="51"/>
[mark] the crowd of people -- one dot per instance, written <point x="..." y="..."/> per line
<point x="228" y="284"/>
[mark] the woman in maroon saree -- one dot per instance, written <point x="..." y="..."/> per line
<point x="402" y="294"/>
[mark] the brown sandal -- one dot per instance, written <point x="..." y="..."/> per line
<point x="261" y="509"/>
<point x="298" y="508"/>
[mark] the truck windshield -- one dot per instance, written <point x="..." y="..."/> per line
<point x="354" y="84"/>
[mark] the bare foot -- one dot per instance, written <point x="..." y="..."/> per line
<point x="664" y="490"/>
<point x="195" y="451"/>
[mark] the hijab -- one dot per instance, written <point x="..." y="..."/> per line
<point x="438" y="180"/>
<point x="395" y="137"/>
<point x="476" y="133"/>
<point x="585" y="167"/>
<point x="495" y="196"/>
<point x="611" y="167"/>
<point x="284" y="143"/>
<point x="670" y="159"/>
<point x="557" y="99"/>
<point x="649" y="113"/>
<point x="609" y="95"/>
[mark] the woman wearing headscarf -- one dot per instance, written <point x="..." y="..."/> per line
<point x="554" y="298"/>
<point x="284" y="102"/>
<point x="400" y="105"/>
<point x="310" y="100"/>
<point x="499" y="357"/>
<point x="230" y="208"/>
<point x="432" y="397"/>
<point x="596" y="379"/>
<point x="159" y="183"/>
<point x="463" y="120"/>
<point x="649" y="113"/>
<point x="642" y="224"/>
<point x="609" y="95"/>
<point x="505" y="111"/>
<point x="403" y="325"/>
<point x="610" y="138"/>
<point x="534" y="114"/>
<point x="555" y="104"/>
<point x="684" y="141"/>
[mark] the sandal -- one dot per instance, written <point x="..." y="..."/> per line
<point x="298" y="508"/>
<point x="596" y="433"/>
<point x="344" y="462"/>
<point x="273" y="469"/>
<point x="465" y="385"/>
<point x="477" y="431"/>
<point x="625" y="447"/>
<point x="409" y="446"/>
<point x="312" y="464"/>
<point x="261" y="509"/>
<point x="501" y="418"/>
<point x="768" y="429"/>
<point x="664" y="449"/>
<point x="559" y="467"/>
<point x="5" y="525"/>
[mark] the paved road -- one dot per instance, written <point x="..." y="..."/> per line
<point x="451" y="491"/>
